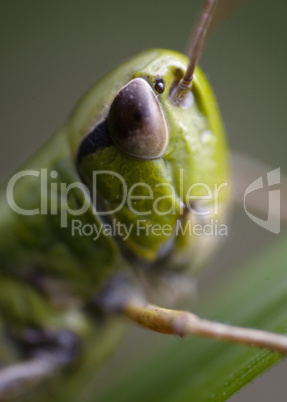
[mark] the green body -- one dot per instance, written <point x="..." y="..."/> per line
<point x="74" y="267"/>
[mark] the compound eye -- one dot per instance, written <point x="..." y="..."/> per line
<point x="136" y="121"/>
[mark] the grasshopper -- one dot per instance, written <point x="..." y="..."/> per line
<point x="56" y="288"/>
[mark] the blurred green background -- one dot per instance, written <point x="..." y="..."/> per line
<point x="51" y="52"/>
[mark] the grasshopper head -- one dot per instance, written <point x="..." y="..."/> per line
<point x="155" y="167"/>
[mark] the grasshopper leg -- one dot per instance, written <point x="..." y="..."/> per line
<point x="45" y="353"/>
<point x="185" y="324"/>
<point x="122" y="298"/>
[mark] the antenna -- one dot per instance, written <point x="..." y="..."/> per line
<point x="196" y="45"/>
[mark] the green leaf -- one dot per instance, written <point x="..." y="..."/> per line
<point x="203" y="370"/>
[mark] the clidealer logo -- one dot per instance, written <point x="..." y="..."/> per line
<point x="207" y="204"/>
<point x="53" y="197"/>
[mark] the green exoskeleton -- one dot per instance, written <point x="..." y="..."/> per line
<point x="107" y="210"/>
